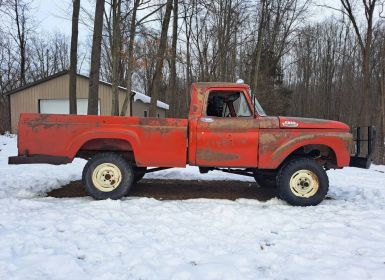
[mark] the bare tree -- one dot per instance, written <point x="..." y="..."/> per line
<point x="258" y="48"/>
<point x="130" y="54"/>
<point x="115" y="51"/>
<point x="188" y="15"/>
<point x="93" y="94"/>
<point x="18" y="11"/>
<point x="365" y="40"/>
<point x="47" y="56"/>
<point x="156" y="80"/>
<point x="74" y="57"/>
<point x="171" y="98"/>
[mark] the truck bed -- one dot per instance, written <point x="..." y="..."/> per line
<point x="57" y="139"/>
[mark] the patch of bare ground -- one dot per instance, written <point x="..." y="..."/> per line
<point x="181" y="189"/>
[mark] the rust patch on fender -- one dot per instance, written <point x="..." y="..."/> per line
<point x="162" y="126"/>
<point x="167" y="122"/>
<point x="150" y="130"/>
<point x="291" y="143"/>
<point x="267" y="138"/>
<point x="43" y="120"/>
<point x="300" y="138"/>
<point x="268" y="122"/>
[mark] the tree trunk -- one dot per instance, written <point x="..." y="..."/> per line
<point x="365" y="43"/>
<point x="366" y="89"/>
<point x="130" y="54"/>
<point x="115" y="56"/>
<point x="182" y="110"/>
<point x="74" y="56"/>
<point x="93" y="94"/>
<point x="258" y="50"/>
<point x="20" y="24"/>
<point x="172" y="92"/>
<point x="157" y="78"/>
<point x="380" y="157"/>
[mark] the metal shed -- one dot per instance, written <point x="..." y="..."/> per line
<point x="50" y="95"/>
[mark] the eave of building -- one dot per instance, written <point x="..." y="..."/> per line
<point x="138" y="96"/>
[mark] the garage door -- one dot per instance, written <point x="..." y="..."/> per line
<point x="61" y="106"/>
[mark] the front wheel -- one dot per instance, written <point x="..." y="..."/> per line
<point x="302" y="182"/>
<point x="139" y="173"/>
<point x="107" y="175"/>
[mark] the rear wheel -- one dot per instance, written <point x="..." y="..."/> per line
<point x="107" y="175"/>
<point x="302" y="182"/>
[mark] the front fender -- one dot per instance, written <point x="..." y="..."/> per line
<point x="276" y="145"/>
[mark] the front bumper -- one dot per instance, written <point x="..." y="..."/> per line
<point x="362" y="157"/>
<point x="360" y="162"/>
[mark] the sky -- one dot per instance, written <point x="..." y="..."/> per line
<point x="55" y="15"/>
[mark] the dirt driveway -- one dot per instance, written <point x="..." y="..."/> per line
<point x="180" y="189"/>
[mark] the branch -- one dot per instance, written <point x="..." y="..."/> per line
<point x="150" y="14"/>
<point x="332" y="8"/>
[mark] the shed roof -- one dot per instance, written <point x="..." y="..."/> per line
<point x="138" y="96"/>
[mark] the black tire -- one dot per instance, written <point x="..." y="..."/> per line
<point x="139" y="173"/>
<point x="126" y="176"/>
<point x="302" y="169"/>
<point x="265" y="179"/>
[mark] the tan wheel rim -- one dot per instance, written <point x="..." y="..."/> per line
<point x="304" y="183"/>
<point x="106" y="177"/>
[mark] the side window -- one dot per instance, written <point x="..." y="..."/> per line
<point x="145" y="114"/>
<point x="227" y="104"/>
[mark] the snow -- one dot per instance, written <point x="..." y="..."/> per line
<point x="143" y="238"/>
<point x="147" y="99"/>
<point x="144" y="98"/>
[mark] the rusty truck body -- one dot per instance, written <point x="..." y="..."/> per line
<point x="226" y="130"/>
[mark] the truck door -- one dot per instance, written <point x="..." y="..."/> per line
<point x="227" y="132"/>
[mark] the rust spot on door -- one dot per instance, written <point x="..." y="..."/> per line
<point x="212" y="156"/>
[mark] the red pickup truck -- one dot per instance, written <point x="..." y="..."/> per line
<point x="226" y="130"/>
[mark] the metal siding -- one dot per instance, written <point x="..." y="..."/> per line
<point x="27" y="100"/>
<point x="139" y="107"/>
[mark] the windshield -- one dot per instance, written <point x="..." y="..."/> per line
<point x="258" y="108"/>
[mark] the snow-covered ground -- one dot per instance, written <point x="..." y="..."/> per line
<point x="143" y="238"/>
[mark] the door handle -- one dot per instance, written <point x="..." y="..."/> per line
<point x="207" y="120"/>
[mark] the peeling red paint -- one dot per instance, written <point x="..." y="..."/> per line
<point x="249" y="142"/>
<point x="212" y="156"/>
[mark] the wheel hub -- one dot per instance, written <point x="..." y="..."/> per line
<point x="106" y="177"/>
<point x="304" y="183"/>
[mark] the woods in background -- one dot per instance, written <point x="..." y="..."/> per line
<point x="331" y="68"/>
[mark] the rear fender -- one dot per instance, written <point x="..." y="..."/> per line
<point x="129" y="136"/>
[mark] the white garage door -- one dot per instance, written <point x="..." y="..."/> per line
<point x="61" y="106"/>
